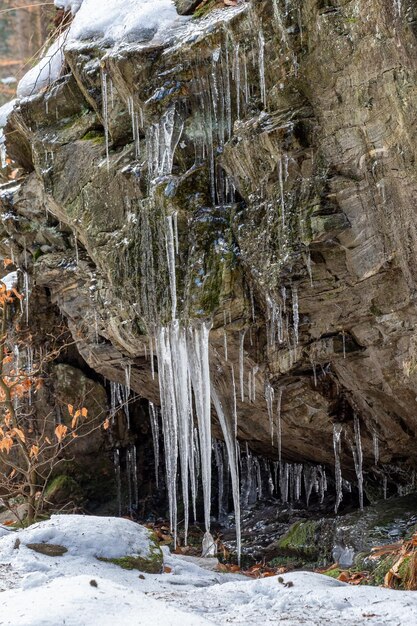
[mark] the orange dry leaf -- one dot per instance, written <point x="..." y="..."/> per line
<point x="74" y="421"/>
<point x="61" y="431"/>
<point x="84" y="412"/>
<point x="70" y="409"/>
<point x="106" y="424"/>
<point x="19" y="433"/>
<point x="6" y="444"/>
<point x="7" y="262"/>
<point x="34" y="451"/>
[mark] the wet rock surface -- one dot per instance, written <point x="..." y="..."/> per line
<point x="283" y="142"/>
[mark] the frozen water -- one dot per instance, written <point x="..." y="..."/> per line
<point x="228" y="434"/>
<point x="337" y="446"/>
<point x="155" y="437"/>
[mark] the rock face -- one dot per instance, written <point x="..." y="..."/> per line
<point x="186" y="7"/>
<point x="281" y="146"/>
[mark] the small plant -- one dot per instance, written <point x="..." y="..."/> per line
<point x="32" y="444"/>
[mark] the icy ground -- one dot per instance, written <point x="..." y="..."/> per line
<point x="78" y="590"/>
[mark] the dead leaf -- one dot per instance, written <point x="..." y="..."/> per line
<point x="61" y="431"/>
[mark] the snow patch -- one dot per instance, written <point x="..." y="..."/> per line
<point x="68" y="5"/>
<point x="127" y="21"/>
<point x="5" y="111"/>
<point x="47" y="71"/>
<point x="10" y="280"/>
<point x="87" y="536"/>
<point x="78" y="590"/>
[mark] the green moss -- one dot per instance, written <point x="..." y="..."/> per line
<point x="202" y="11"/>
<point x="63" y="488"/>
<point x="333" y="572"/>
<point x="300" y="540"/>
<point x="381" y="569"/>
<point x="95" y="136"/>
<point x="150" y="565"/>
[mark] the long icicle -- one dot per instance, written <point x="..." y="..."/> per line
<point x="227" y="429"/>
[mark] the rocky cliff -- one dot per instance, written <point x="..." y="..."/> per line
<point x="256" y="171"/>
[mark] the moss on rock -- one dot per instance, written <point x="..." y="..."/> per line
<point x="300" y="540"/>
<point x="151" y="564"/>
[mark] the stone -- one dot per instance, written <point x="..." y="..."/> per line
<point x="48" y="549"/>
<point x="323" y="179"/>
<point x="187" y="7"/>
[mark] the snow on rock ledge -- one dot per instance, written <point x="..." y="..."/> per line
<point x="47" y="71"/>
<point x="68" y="5"/>
<point x="128" y="21"/>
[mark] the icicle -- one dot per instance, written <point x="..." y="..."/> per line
<point x="155" y="437"/>
<point x="375" y="442"/>
<point x="118" y="480"/>
<point x="198" y="355"/>
<point x="183" y="409"/>
<point x="358" y="458"/>
<point x="105" y="113"/>
<point x="295" y="312"/>
<point x="169" y="421"/>
<point x="152" y="357"/>
<point x="261" y="41"/>
<point x="298" y="473"/>
<point x="385" y="486"/>
<point x="228" y="95"/>
<point x="237" y="79"/>
<point x="241" y="363"/>
<point x="225" y="344"/>
<point x="259" y="491"/>
<point x="337" y="446"/>
<point x="269" y="397"/>
<point x="279" y="424"/>
<point x="209" y="545"/>
<point x="177" y="244"/>
<point x="170" y="251"/>
<point x="234" y="400"/>
<point x="233" y="465"/>
<point x="281" y="189"/>
<point x="77" y="258"/>
<point x="26" y="295"/>
<point x="284" y="482"/>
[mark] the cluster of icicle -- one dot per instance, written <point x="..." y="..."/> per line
<point x="261" y="478"/>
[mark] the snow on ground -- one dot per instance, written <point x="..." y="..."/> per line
<point x="78" y="590"/>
